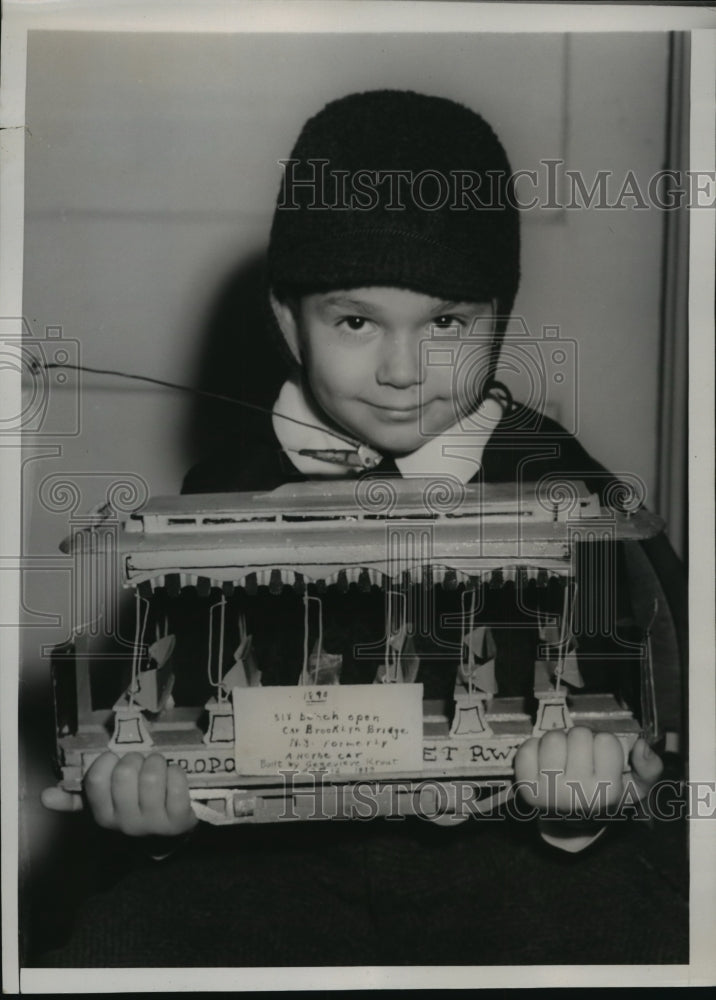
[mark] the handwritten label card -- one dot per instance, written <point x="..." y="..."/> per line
<point x="342" y="729"/>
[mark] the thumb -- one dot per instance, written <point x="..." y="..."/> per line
<point x="646" y="765"/>
<point x="59" y="800"/>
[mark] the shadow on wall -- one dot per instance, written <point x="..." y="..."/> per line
<point x="241" y="355"/>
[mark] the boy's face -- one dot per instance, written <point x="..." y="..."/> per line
<point x="378" y="360"/>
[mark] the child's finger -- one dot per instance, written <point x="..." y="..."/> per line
<point x="98" y="789"/>
<point x="59" y="800"/>
<point x="552" y="754"/>
<point x="526" y="760"/>
<point x="646" y="764"/>
<point x="608" y="757"/>
<point x="179" y="808"/>
<point x="152" y="791"/>
<point x="580" y="752"/>
<point x="125" y="793"/>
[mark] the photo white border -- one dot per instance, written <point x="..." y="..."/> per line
<point x="378" y="16"/>
<point x="702" y="690"/>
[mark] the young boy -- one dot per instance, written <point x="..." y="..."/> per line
<point x="396" y="229"/>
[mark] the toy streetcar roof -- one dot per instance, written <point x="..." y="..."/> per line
<point x="313" y="528"/>
<point x="382" y="497"/>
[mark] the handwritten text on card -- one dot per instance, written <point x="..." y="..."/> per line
<point x="342" y="729"/>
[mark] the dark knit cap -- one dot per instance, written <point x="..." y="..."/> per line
<point x="444" y="223"/>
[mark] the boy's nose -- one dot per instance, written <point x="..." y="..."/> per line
<point x="399" y="364"/>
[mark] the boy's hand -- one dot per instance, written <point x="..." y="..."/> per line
<point x="580" y="773"/>
<point x="136" y="795"/>
<point x="139" y="796"/>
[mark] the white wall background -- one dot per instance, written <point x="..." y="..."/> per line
<point x="151" y="175"/>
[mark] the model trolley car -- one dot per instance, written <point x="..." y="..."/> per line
<point x="322" y="587"/>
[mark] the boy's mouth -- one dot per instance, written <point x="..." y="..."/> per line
<point x="402" y="407"/>
<point x="397" y="412"/>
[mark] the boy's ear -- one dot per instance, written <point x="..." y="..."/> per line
<point x="286" y="320"/>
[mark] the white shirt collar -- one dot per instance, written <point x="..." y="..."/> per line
<point x="456" y="452"/>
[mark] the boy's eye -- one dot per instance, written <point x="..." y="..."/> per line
<point x="355" y="323"/>
<point x="443" y="322"/>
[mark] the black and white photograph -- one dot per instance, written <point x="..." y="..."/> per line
<point x="357" y="452"/>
